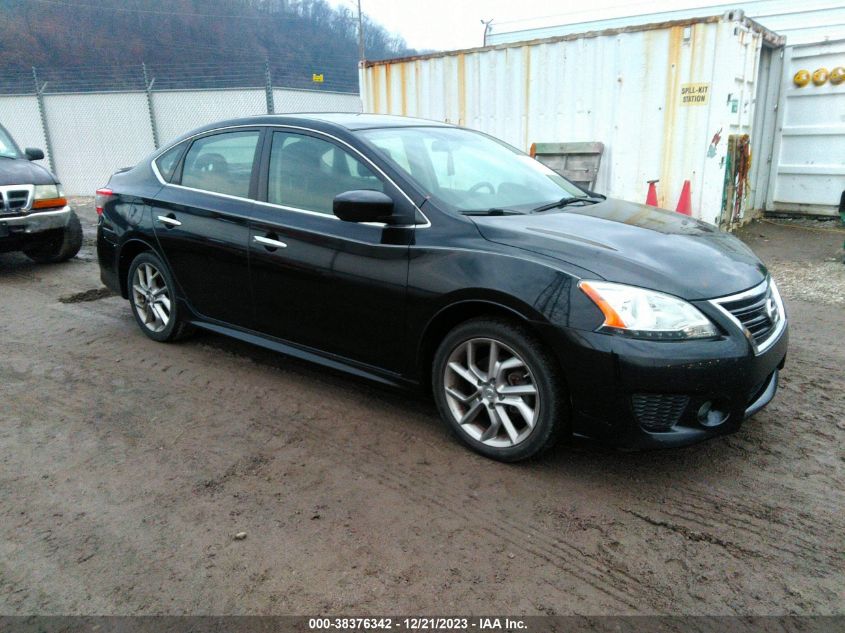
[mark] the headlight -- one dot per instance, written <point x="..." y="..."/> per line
<point x="647" y="314"/>
<point x="49" y="197"/>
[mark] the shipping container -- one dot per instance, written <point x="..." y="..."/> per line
<point x="666" y="100"/>
<point x="807" y="169"/>
<point x="805" y="22"/>
<point x="800" y="168"/>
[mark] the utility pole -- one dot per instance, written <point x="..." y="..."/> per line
<point x="486" y="24"/>
<point x="360" y="33"/>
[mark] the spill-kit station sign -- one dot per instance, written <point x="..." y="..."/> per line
<point x="695" y="94"/>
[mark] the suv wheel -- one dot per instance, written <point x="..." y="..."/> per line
<point x="153" y="300"/>
<point x="499" y="390"/>
<point x="62" y="246"/>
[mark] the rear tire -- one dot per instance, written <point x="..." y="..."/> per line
<point x="153" y="300"/>
<point x="61" y="247"/>
<point x="510" y="409"/>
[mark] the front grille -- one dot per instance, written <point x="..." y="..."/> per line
<point x="758" y="311"/>
<point x="658" y="411"/>
<point x="15" y="199"/>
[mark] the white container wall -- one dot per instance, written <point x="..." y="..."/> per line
<point x="808" y="166"/>
<point x="662" y="98"/>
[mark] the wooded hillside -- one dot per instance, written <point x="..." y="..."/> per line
<point x="190" y="41"/>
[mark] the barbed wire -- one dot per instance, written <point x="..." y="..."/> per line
<point x="169" y="13"/>
<point x="330" y="74"/>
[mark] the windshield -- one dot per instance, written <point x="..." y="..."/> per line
<point x="8" y="149"/>
<point x="467" y="171"/>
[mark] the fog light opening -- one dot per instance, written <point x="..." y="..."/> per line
<point x="710" y="417"/>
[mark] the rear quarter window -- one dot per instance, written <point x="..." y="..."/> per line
<point x="167" y="162"/>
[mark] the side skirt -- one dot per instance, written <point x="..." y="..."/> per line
<point x="313" y="356"/>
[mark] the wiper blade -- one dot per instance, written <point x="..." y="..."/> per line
<point x="564" y="202"/>
<point x="493" y="211"/>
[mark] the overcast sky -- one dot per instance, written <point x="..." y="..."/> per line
<point x="451" y="24"/>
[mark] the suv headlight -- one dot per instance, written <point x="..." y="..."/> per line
<point x="48" y="197"/>
<point x="646" y="314"/>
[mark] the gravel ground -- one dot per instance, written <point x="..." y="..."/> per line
<point x="128" y="468"/>
<point x="804" y="255"/>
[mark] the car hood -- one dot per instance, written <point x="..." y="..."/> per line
<point x="634" y="244"/>
<point x="19" y="171"/>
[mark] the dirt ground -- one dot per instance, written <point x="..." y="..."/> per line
<point x="127" y="467"/>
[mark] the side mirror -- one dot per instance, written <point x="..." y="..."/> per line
<point x="33" y="153"/>
<point x="363" y="205"/>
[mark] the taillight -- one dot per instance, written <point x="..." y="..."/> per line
<point x="101" y="198"/>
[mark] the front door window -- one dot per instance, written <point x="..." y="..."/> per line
<point x="307" y="173"/>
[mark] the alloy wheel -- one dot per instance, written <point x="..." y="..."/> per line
<point x="151" y="297"/>
<point x="491" y="392"/>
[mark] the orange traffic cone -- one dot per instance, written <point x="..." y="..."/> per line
<point x="651" y="198"/>
<point x="685" y="201"/>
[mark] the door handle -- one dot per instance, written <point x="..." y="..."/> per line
<point x="268" y="242"/>
<point x="166" y="219"/>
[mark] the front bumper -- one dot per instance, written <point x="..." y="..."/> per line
<point x="33" y="222"/>
<point x="647" y="394"/>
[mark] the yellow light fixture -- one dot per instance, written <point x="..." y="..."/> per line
<point x="801" y="78"/>
<point x="837" y="75"/>
<point x="820" y="76"/>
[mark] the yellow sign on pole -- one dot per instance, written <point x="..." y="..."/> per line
<point x="694" y="94"/>
<point x="317" y="78"/>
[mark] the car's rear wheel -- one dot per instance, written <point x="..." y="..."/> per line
<point x="60" y="246"/>
<point x="499" y="389"/>
<point x="153" y="300"/>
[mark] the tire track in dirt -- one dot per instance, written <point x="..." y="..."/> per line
<point x="692" y="535"/>
<point x="801" y="537"/>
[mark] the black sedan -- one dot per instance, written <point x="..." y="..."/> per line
<point x="429" y="256"/>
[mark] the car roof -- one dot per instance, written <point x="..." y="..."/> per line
<point x="362" y="121"/>
<point x="325" y="121"/>
<point x="340" y="123"/>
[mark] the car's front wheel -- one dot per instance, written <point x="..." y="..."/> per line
<point x="153" y="300"/>
<point x="60" y="246"/>
<point x="499" y="389"/>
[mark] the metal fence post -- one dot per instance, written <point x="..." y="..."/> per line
<point x="268" y="88"/>
<point x="42" y="112"/>
<point x="148" y="88"/>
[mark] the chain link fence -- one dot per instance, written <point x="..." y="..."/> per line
<point x="92" y="122"/>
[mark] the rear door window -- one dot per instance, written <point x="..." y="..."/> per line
<point x="221" y="163"/>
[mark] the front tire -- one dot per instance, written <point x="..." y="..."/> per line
<point x="499" y="389"/>
<point x="153" y="300"/>
<point x="60" y="247"/>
